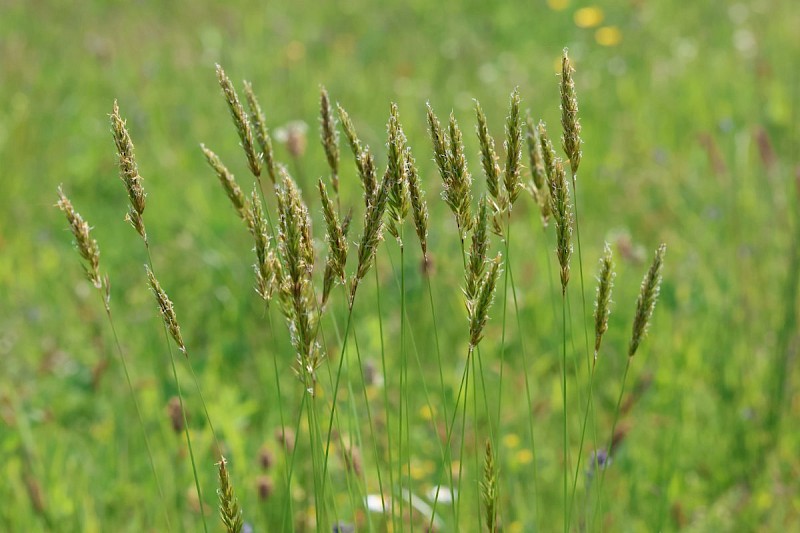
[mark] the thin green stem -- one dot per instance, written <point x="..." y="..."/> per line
<point x="564" y="399"/>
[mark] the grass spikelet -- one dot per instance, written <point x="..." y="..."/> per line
<point x="440" y="143"/>
<point x="337" y="244"/>
<point x="262" y="132"/>
<point x="87" y="246"/>
<point x="350" y="133"/>
<point x="419" y="207"/>
<point x="489" y="158"/>
<point x="538" y="172"/>
<point x="241" y="122"/>
<point x="129" y="172"/>
<point x="513" y="146"/>
<point x="228" y="182"/>
<point x="229" y="511"/>
<point x="372" y="234"/>
<point x="571" y="139"/>
<point x="478" y="308"/>
<point x="398" y="195"/>
<point x="646" y="303"/>
<point x="329" y="137"/>
<point x="167" y="310"/>
<point x="489" y="488"/>
<point x="477" y="252"/>
<point x="602" y="307"/>
<point x="559" y="192"/>
<point x="265" y="258"/>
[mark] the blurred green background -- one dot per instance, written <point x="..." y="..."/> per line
<point x="690" y="128"/>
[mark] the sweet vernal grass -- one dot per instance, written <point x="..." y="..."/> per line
<point x="288" y="268"/>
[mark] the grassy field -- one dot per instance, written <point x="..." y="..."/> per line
<point x="689" y="116"/>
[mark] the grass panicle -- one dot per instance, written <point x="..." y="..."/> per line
<point x="329" y="136"/>
<point x="602" y="306"/>
<point x="571" y="139"/>
<point x="478" y="308"/>
<point x="228" y="182"/>
<point x="241" y="121"/>
<point x="267" y="266"/>
<point x="646" y="303"/>
<point x="87" y="246"/>
<point x="399" y="202"/>
<point x="559" y="193"/>
<point x="489" y="489"/>
<point x="229" y="511"/>
<point x="489" y="159"/>
<point x="513" y="145"/>
<point x="263" y="137"/>
<point x="129" y="172"/>
<point x="419" y="207"/>
<point x="167" y="310"/>
<point x="337" y="244"/>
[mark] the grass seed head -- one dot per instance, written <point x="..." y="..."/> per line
<point x="241" y="121"/>
<point x="372" y="234"/>
<point x="262" y="132"/>
<point x="167" y="310"/>
<point x="489" y="158"/>
<point x="571" y="139"/>
<point x="86" y="245"/>
<point x="399" y="203"/>
<point x="602" y="306"/>
<point x="458" y="192"/>
<point x="513" y="146"/>
<point x="329" y="136"/>
<point x="229" y="511"/>
<point x="562" y="213"/>
<point x="489" y="488"/>
<point x="129" y="172"/>
<point x="337" y="244"/>
<point x="228" y="182"/>
<point x="477" y="252"/>
<point x="479" y="308"/>
<point x="646" y="303"/>
<point x="419" y="207"/>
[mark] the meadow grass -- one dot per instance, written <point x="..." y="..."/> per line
<point x="705" y="167"/>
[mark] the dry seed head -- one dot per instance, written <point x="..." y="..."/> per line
<point x="513" y="145"/>
<point x="489" y="488"/>
<point x="571" y="140"/>
<point x="458" y="193"/>
<point x="262" y="132"/>
<point x="329" y="137"/>
<point x="129" y="172"/>
<point x="477" y="252"/>
<point x="87" y="246"/>
<point x="166" y="309"/>
<point x="398" y="196"/>
<point x="646" y="303"/>
<point x="479" y="308"/>
<point x="562" y="213"/>
<point x="229" y="511"/>
<point x="419" y="207"/>
<point x="489" y="158"/>
<point x="228" y="182"/>
<point x="241" y="122"/>
<point x="602" y="307"/>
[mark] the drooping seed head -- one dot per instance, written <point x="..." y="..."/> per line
<point x="241" y="121"/>
<point x="263" y="137"/>
<point x="329" y="137"/>
<point x="86" y="245"/>
<point x="129" y="172"/>
<point x="229" y="511"/>
<point x="602" y="306"/>
<point x="167" y="310"/>
<point x="571" y="139"/>
<point x="562" y="213"/>
<point x="646" y="303"/>
<point x="513" y="146"/>
<point x="228" y="182"/>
